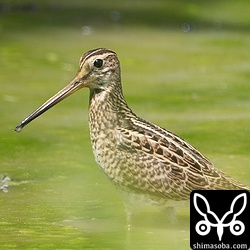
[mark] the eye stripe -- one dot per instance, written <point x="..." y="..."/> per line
<point x="91" y="53"/>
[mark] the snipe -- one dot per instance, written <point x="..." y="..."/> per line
<point x="137" y="156"/>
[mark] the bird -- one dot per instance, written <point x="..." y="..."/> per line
<point x="142" y="159"/>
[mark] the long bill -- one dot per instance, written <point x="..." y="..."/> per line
<point x="73" y="86"/>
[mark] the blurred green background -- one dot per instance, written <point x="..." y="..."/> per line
<point x="185" y="66"/>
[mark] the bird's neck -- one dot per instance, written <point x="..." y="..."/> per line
<point x="107" y="108"/>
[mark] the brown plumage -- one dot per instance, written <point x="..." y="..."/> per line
<point x="137" y="156"/>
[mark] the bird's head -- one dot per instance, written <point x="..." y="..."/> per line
<point x="98" y="70"/>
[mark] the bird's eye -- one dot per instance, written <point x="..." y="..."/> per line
<point x="98" y="63"/>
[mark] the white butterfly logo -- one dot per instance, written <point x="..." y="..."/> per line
<point x="236" y="227"/>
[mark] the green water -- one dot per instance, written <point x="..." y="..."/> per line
<point x="60" y="213"/>
<point x="193" y="83"/>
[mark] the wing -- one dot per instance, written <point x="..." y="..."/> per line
<point x="161" y="163"/>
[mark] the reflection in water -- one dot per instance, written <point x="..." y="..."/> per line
<point x="150" y="230"/>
